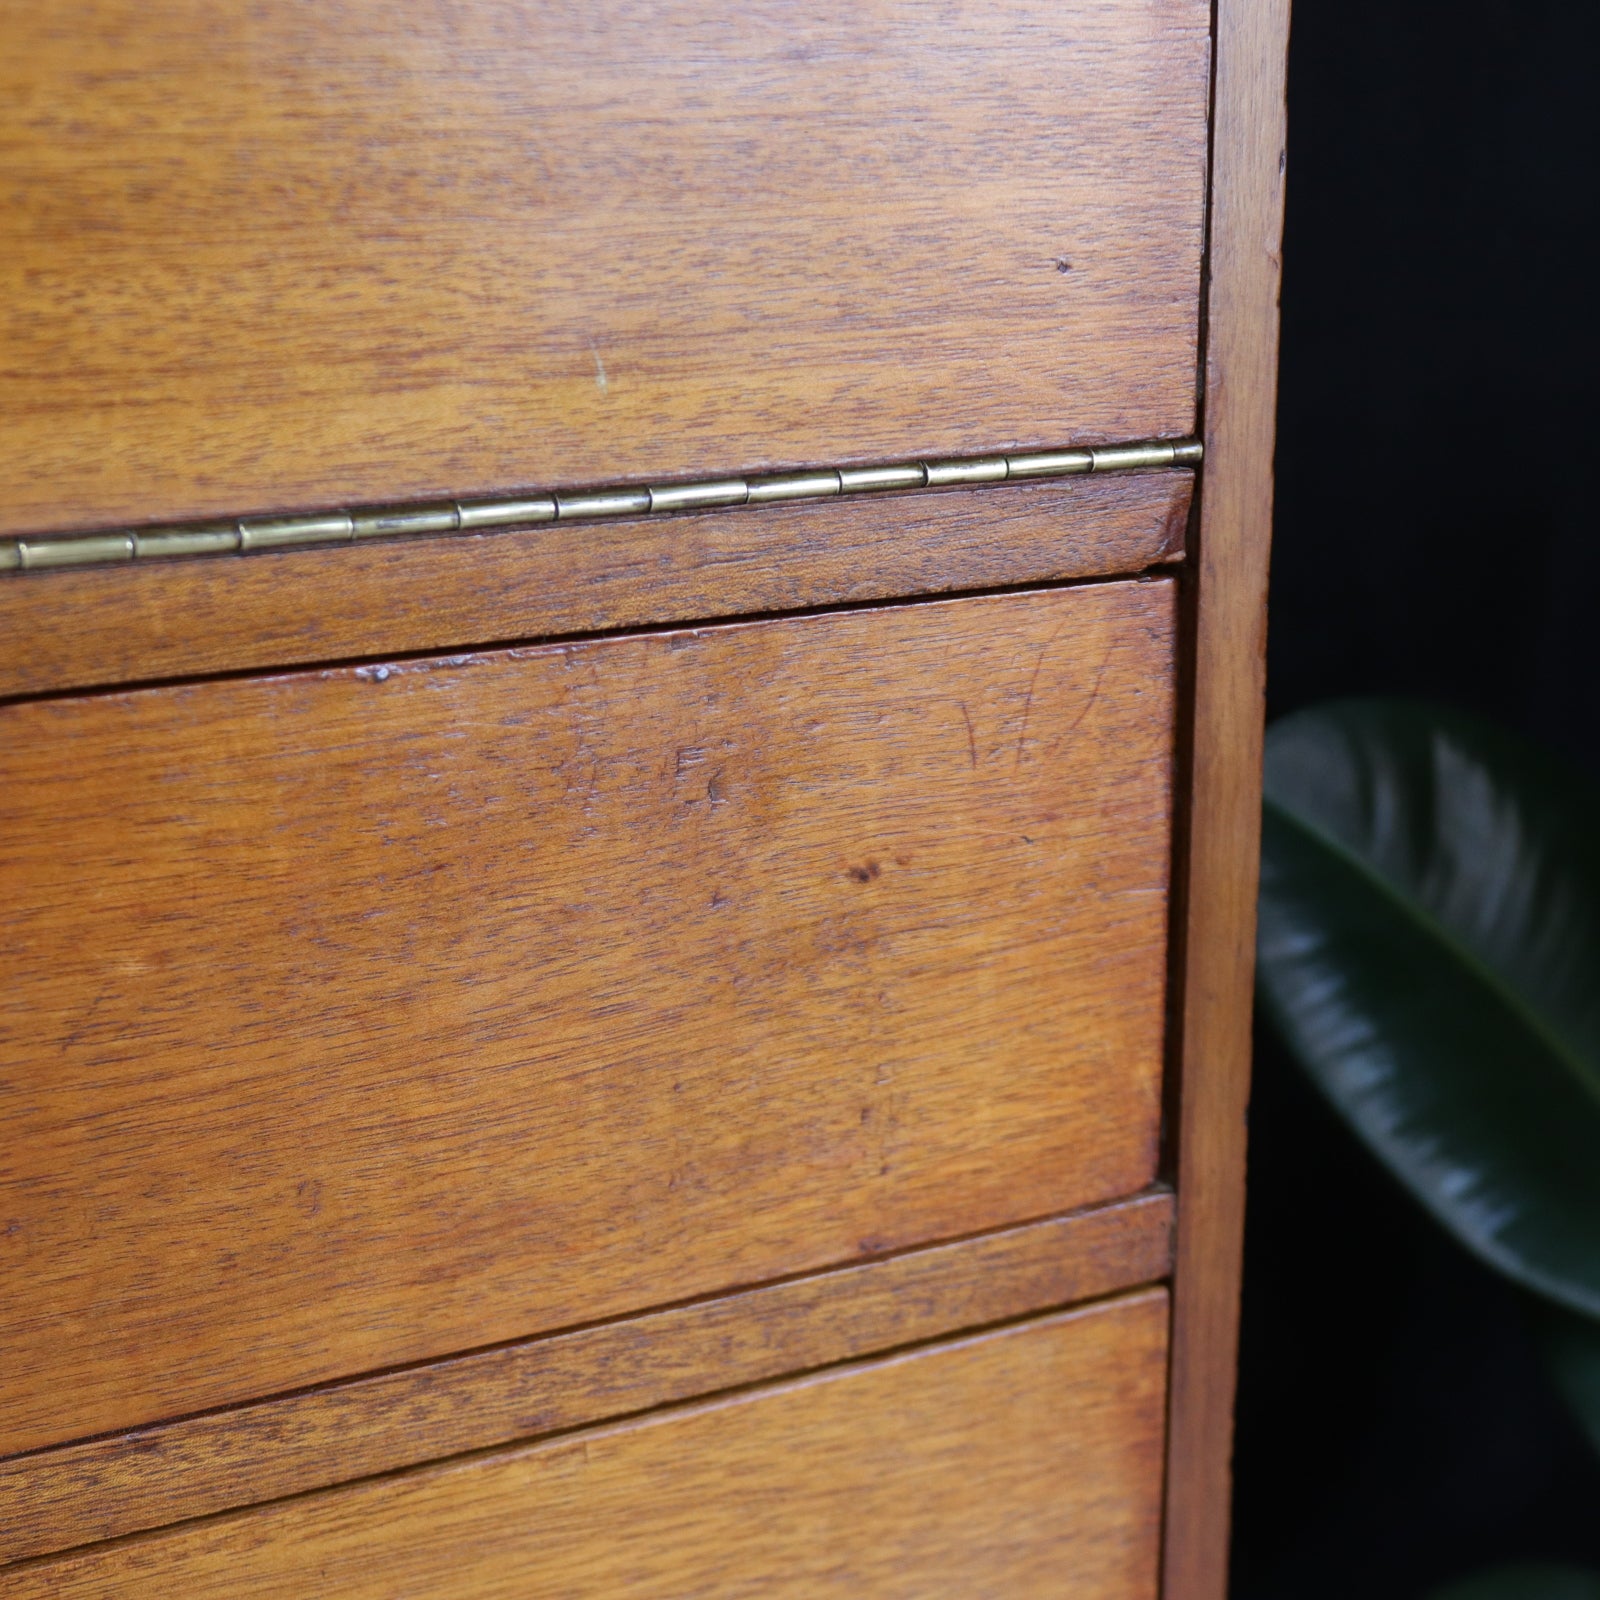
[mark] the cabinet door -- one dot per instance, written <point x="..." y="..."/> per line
<point x="366" y="1015"/>
<point x="270" y="257"/>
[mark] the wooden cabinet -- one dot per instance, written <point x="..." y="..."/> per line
<point x="629" y="705"/>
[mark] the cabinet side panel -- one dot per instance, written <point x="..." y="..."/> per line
<point x="1218" y="886"/>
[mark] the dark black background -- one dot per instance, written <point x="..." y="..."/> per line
<point x="1436" y="519"/>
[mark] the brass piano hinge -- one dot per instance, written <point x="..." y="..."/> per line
<point x="245" y="534"/>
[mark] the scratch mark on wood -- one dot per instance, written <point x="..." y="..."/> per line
<point x="1027" y="704"/>
<point x="972" y="743"/>
<point x="1094" y="694"/>
<point x="601" y="382"/>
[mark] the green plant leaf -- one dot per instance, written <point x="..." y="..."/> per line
<point x="1430" y="951"/>
<point x="1524" y="1583"/>
<point x="1571" y="1346"/>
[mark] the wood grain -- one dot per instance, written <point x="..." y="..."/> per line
<point x="1020" y="1463"/>
<point x="360" y="1017"/>
<point x="341" y="251"/>
<point x="1223" y="814"/>
<point x="69" y="628"/>
<point x="246" y="1455"/>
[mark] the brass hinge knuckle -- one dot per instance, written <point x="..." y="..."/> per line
<point x="247" y="534"/>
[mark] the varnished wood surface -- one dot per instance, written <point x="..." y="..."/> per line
<point x="1216" y="917"/>
<point x="359" y="1017"/>
<point x="221" y="1460"/>
<point x="1020" y="1463"/>
<point x="339" y="251"/>
<point x="68" y="628"/>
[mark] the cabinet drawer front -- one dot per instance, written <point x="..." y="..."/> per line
<point x="365" y="1015"/>
<point x="1021" y="1463"/>
<point x="332" y="251"/>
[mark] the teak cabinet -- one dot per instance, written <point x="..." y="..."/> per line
<point x="630" y="664"/>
